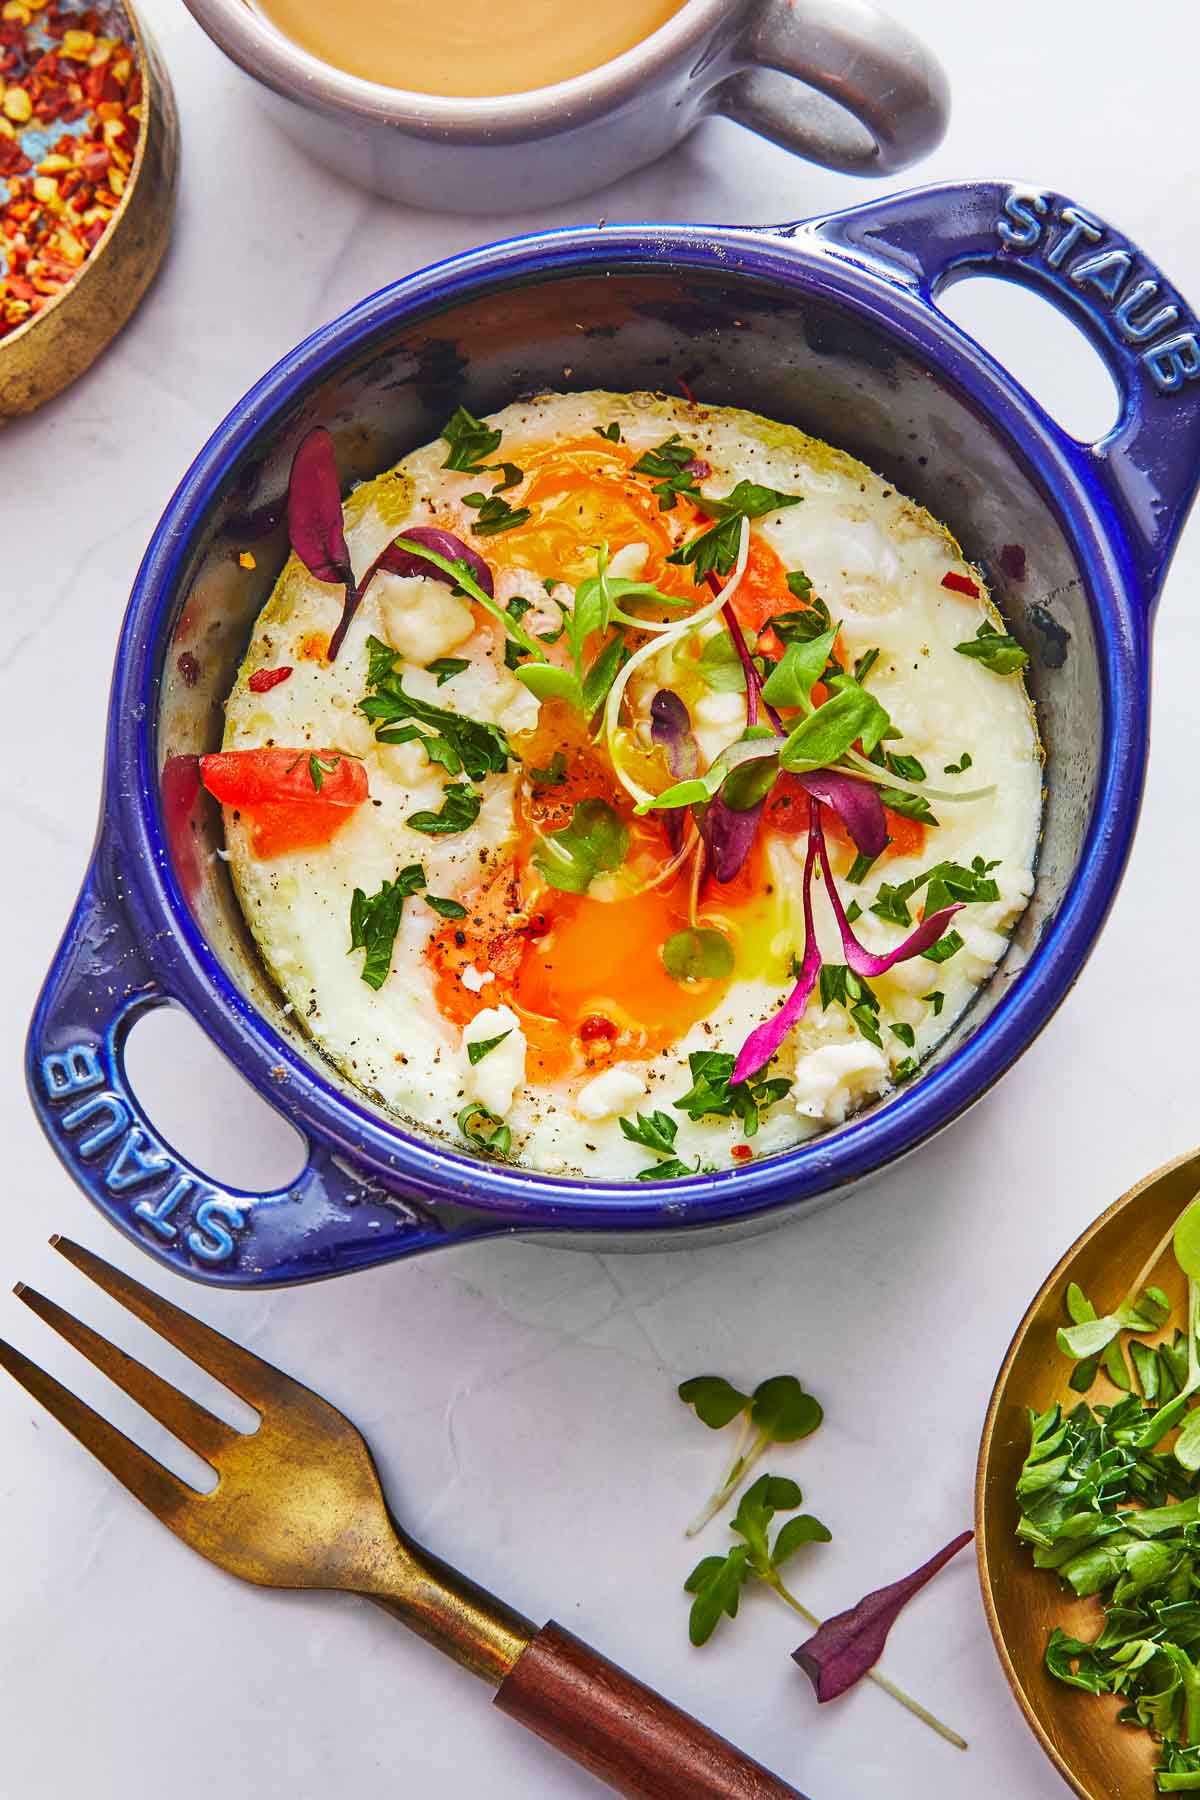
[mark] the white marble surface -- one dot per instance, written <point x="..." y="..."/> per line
<point x="521" y="1398"/>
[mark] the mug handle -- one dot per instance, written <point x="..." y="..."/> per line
<point x="876" y="101"/>
<point x="329" y="1220"/>
<point x="1149" y="463"/>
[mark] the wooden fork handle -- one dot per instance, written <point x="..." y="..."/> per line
<point x="623" y="1732"/>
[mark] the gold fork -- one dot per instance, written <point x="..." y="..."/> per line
<point x="298" y="1504"/>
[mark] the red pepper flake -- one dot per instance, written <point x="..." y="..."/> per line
<point x="960" y="584"/>
<point x="1012" y="561"/>
<point x="596" y="1026"/>
<point x="60" y="67"/>
<point x="188" y="667"/>
<point x="741" y="1153"/>
<point x="263" y="680"/>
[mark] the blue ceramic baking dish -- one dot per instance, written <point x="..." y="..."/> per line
<point x="831" y="324"/>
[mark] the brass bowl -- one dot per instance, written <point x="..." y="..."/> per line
<point x="1079" y="1732"/>
<point x="56" y="345"/>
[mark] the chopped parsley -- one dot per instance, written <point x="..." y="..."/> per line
<point x="656" y="1132"/>
<point x="445" y="909"/>
<point x="375" y="920"/>
<point x="712" y="1095"/>
<point x="446" y="667"/>
<point x="470" y="441"/>
<point x="947" y="884"/>
<point x="495" y="514"/>
<point x="996" y="650"/>
<point x="714" y="551"/>
<point x="553" y="775"/>
<point x="840" y="986"/>
<point x="459" y="809"/>
<point x="484" y="1131"/>
<point x="459" y="744"/>
<point x="669" y="466"/>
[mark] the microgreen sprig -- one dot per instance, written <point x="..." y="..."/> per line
<point x="843" y="1648"/>
<point x="779" y="1411"/>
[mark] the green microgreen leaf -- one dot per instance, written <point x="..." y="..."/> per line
<point x="715" y="1401"/>
<point x="481" y="1047"/>
<point x="594" y="843"/>
<point x="698" y="953"/>
<point x="960" y="767"/>
<point x="798" y="670"/>
<point x="850" y="715"/>
<point x="611" y="431"/>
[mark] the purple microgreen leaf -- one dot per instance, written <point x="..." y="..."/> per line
<point x="845" y="1647"/>
<point x="406" y="562"/>
<point x="315" y="528"/>
<point x="765" y="1040"/>
<point x="671" y="729"/>
<point x="728" y="836"/>
<point x="857" y="805"/>
<point x="867" y="962"/>
<point x="698" y="468"/>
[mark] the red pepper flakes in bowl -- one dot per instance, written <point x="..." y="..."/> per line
<point x="71" y="112"/>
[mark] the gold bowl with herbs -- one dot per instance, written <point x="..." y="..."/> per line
<point x="89" y="150"/>
<point x="1088" y="1463"/>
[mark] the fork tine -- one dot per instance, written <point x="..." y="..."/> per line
<point x="248" y="1376"/>
<point x="191" y="1423"/>
<point x="146" y="1479"/>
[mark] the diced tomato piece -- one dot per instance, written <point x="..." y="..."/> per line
<point x="180" y="788"/>
<point x="787" y="813"/>
<point x="763" y="589"/>
<point x="255" y="777"/>
<point x="907" y="835"/>
<point x="277" y="793"/>
<point x="960" y="584"/>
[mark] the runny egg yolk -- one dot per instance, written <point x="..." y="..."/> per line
<point x="585" y="972"/>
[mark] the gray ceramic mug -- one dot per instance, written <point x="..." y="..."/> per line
<point x="835" y="81"/>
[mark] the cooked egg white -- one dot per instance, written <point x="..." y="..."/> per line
<point x="875" y="559"/>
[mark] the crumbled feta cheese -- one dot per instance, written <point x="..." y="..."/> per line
<point x="607" y="1095"/>
<point x="495" y="1078"/>
<point x="476" y="979"/>
<point x="421" y="619"/>
<point x="406" y="763"/>
<point x="718" y="720"/>
<point x="829" y="1079"/>
<point x="518" y="711"/>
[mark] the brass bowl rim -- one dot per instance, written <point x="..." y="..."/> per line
<point x="1061" y="1267"/>
<point x="150" y="103"/>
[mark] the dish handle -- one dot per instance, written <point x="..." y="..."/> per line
<point x="328" y="1220"/>
<point x="1149" y="463"/>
